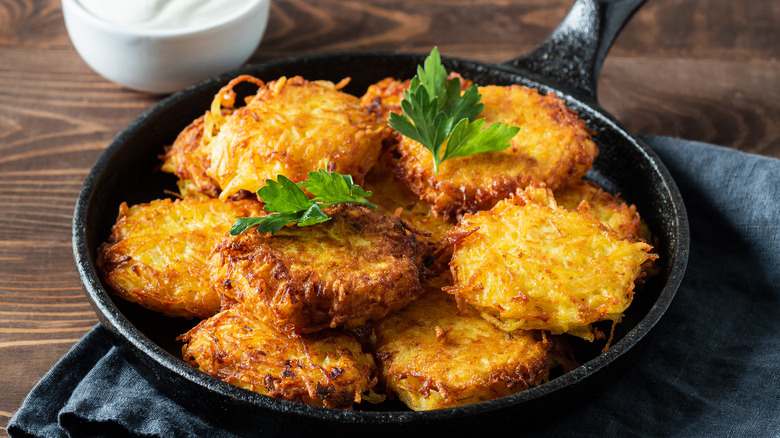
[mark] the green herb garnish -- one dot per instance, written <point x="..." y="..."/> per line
<point x="288" y="203"/>
<point x="435" y="112"/>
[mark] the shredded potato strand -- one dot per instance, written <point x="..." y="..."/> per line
<point x="225" y="98"/>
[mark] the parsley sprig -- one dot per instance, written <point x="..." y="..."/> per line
<point x="435" y="112"/>
<point x="288" y="203"/>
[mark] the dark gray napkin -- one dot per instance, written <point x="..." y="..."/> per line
<point x="711" y="367"/>
<point x="93" y="391"/>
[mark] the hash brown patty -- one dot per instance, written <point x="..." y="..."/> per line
<point x="553" y="147"/>
<point x="327" y="368"/>
<point x="356" y="267"/>
<point x="434" y="356"/>
<point x="535" y="265"/>
<point x="157" y="254"/>
<point x="291" y="127"/>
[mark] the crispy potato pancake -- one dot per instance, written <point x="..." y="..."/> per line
<point x="292" y="127"/>
<point x="327" y="368"/>
<point x="389" y="195"/>
<point x="553" y="147"/>
<point x="353" y="268"/>
<point x="550" y="269"/>
<point x="157" y="254"/>
<point x="434" y="356"/>
<point x="609" y="209"/>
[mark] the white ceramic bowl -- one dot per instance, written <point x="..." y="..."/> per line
<point x="163" y="61"/>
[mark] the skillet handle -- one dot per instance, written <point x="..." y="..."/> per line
<point x="571" y="57"/>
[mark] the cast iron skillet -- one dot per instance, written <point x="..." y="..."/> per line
<point x="567" y="63"/>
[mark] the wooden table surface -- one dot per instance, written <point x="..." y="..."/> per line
<point x="698" y="69"/>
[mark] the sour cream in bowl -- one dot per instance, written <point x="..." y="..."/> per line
<point x="161" y="46"/>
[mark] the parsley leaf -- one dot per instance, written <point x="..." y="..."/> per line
<point x="271" y="223"/>
<point x="283" y="196"/>
<point x="335" y="188"/>
<point x="469" y="138"/>
<point x="288" y="203"/>
<point x="435" y="114"/>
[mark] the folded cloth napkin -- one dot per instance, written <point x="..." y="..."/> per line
<point x="711" y="367"/>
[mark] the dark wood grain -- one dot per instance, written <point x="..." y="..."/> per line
<point x="697" y="69"/>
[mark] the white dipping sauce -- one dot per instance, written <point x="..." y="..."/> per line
<point x="162" y="14"/>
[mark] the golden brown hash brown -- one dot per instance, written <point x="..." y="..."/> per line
<point x="608" y="208"/>
<point x="327" y="368"/>
<point x="157" y="254"/>
<point x="353" y="268"/>
<point x="535" y="265"/>
<point x="292" y="127"/>
<point x="433" y="356"/>
<point x="189" y="157"/>
<point x="553" y="147"/>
